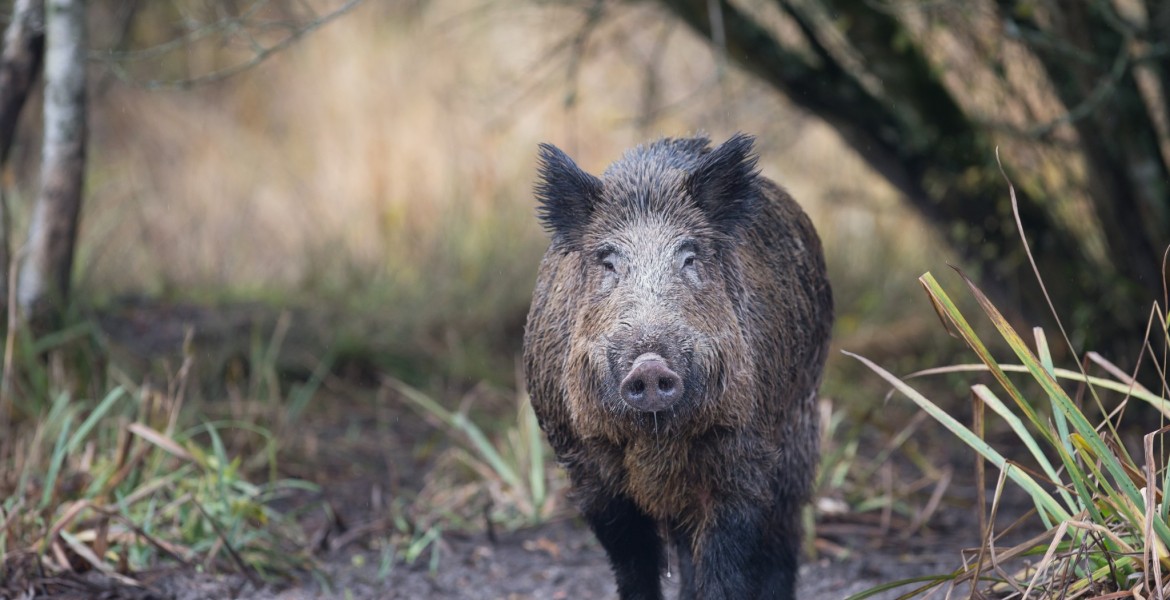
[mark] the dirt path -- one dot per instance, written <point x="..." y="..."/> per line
<point x="557" y="561"/>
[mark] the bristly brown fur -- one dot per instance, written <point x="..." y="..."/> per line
<point x="685" y="251"/>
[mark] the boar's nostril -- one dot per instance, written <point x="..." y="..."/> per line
<point x="651" y="385"/>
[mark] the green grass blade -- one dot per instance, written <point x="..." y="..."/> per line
<point x="1049" y="508"/>
<point x="100" y="411"/>
<point x="1046" y="360"/>
<point x="59" y="338"/>
<point x="946" y="307"/>
<point x="951" y="311"/>
<point x="425" y="402"/>
<point x="300" y="395"/>
<point x="530" y="430"/>
<point x="488" y="452"/>
<point x="60" y="449"/>
<point x="58" y="413"/>
<point x="990" y="399"/>
<point x="1164" y="511"/>
<point x="1159" y="403"/>
<point x="1061" y="400"/>
<point x="475" y="435"/>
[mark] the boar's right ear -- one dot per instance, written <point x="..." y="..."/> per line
<point x="723" y="184"/>
<point x="567" y="195"/>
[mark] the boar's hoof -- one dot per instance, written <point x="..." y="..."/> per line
<point x="651" y="386"/>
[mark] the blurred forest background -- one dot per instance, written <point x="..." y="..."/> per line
<point x="381" y="168"/>
<point x="350" y="183"/>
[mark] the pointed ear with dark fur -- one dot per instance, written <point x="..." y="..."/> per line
<point x="724" y="183"/>
<point x="567" y="195"/>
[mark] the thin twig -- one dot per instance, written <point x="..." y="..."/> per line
<point x="192" y="36"/>
<point x="1092" y="102"/>
<point x="236" y="558"/>
<point x="10" y="342"/>
<point x="260" y="54"/>
<point x="1040" y="278"/>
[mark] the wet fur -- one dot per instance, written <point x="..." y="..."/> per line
<point x="725" y="472"/>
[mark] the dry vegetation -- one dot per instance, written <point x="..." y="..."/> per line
<point x="380" y="173"/>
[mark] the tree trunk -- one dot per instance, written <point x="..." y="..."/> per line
<point x="43" y="287"/>
<point x="915" y="134"/>
<point x="1129" y="182"/>
<point x="24" y="47"/>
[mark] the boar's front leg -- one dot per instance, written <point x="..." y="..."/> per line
<point x="631" y="540"/>
<point x="683" y="547"/>
<point x="749" y="553"/>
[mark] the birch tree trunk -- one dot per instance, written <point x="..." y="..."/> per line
<point x="24" y="46"/>
<point x="43" y="286"/>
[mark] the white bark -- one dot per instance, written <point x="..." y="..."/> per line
<point x="43" y="287"/>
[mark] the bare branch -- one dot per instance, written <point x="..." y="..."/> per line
<point x="243" y="25"/>
<point x="1094" y="100"/>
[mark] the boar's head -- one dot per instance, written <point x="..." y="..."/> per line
<point x="653" y="249"/>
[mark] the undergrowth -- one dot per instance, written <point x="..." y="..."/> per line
<point x="130" y="478"/>
<point x="1098" y="498"/>
<point x="481" y="483"/>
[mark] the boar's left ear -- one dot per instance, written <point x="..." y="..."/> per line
<point x="567" y="195"/>
<point x="724" y="183"/>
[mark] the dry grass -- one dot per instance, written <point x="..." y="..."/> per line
<point x="124" y="481"/>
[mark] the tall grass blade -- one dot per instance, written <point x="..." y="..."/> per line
<point x="991" y="400"/>
<point x="1065" y="404"/>
<point x="97" y="415"/>
<point x="1046" y="360"/>
<point x="300" y="395"/>
<point x="1121" y="387"/>
<point x="531" y="433"/>
<point x="60" y="449"/>
<point x="947" y="307"/>
<point x="459" y="421"/>
<point x="1045" y="503"/>
<point x="931" y="581"/>
<point x="59" y="338"/>
<point x="485" y="449"/>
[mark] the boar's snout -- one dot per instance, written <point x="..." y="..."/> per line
<point x="651" y="385"/>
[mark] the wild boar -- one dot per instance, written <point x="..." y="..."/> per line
<point x="673" y="351"/>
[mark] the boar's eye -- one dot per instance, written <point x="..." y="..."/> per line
<point x="606" y="258"/>
<point x="686" y="257"/>
<point x="686" y="254"/>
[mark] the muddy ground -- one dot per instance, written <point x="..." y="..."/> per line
<point x="559" y="561"/>
<point x="361" y="446"/>
<point x="360" y="454"/>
